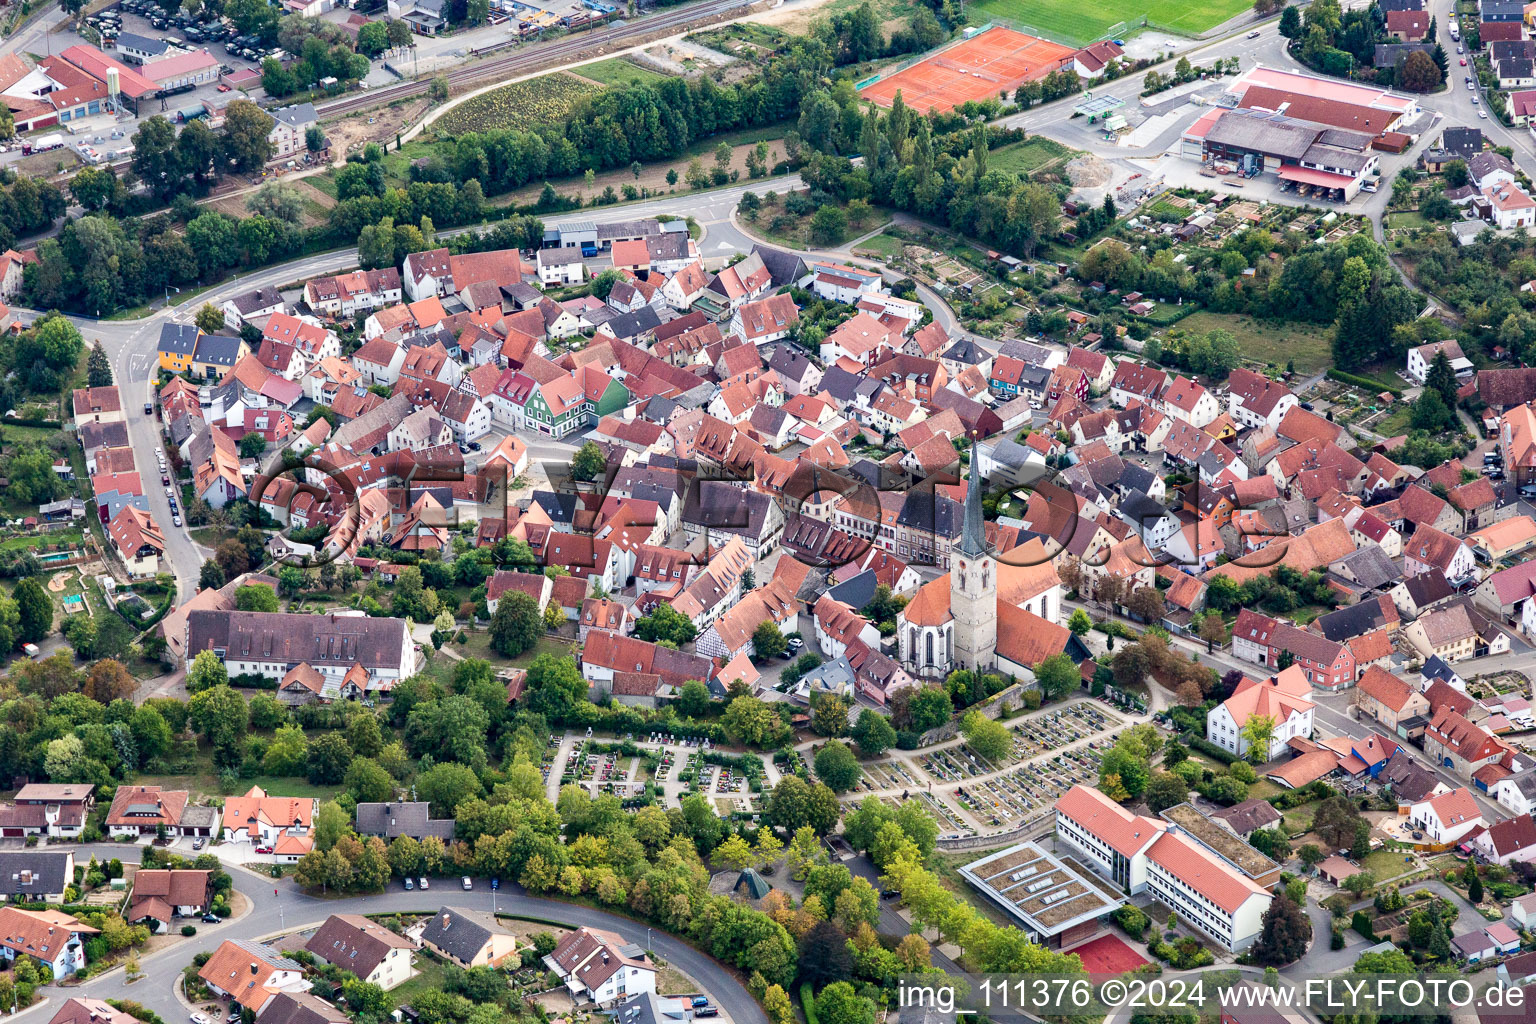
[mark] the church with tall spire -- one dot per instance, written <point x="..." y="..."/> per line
<point x="973" y="588"/>
<point x="992" y="612"/>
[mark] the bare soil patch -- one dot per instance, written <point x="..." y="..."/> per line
<point x="351" y="132"/>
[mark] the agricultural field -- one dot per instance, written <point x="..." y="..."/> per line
<point x="1070" y="21"/>
<point x="522" y="105"/>
<point x="618" y="71"/>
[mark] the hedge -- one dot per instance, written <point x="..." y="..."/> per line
<point x="1210" y="749"/>
<point x="134" y="1009"/>
<point x="808" y="1001"/>
<point x="1369" y="383"/>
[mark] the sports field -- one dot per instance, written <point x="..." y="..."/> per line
<point x="1073" y="21"/>
<point x="996" y="61"/>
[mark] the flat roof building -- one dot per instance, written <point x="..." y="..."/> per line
<point x="1056" y="900"/>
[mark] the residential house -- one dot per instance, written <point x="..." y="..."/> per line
<point x="363" y="948"/>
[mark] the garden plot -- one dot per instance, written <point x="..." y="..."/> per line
<point x="1061" y="728"/>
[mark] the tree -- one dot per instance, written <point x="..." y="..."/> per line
<point x="1456" y="175"/>
<point x="666" y="623"/>
<point x="517" y="624"/>
<point x="245" y="136"/>
<point x="750" y="721"/>
<point x="830" y="716"/>
<point x="693" y="699"/>
<point x="588" y="462"/>
<point x="1080" y="624"/>
<point x="824" y="957"/>
<point x="446" y="785"/>
<point x="829" y="226"/>
<point x="989" y="739"/>
<point x="209" y="319"/>
<point x="797" y="804"/>
<point x="211" y="576"/>
<point x="768" y="641"/>
<point x="35" y="610"/>
<point x="1442" y="379"/>
<point x="206" y="672"/>
<point x="98" y="369"/>
<point x="252" y="445"/>
<point x="837" y="767"/>
<point x="873" y="733"/>
<point x="1258" y="732"/>
<point x="256" y="597"/>
<point x="838" y="1003"/>
<point x="1418" y="72"/>
<point x="1431" y="413"/>
<point x="1474" y="885"/>
<point x="1290" y="23"/>
<point x="1286" y="934"/>
<point x="367" y="782"/>
<point x="330" y="755"/>
<point x="1335" y="820"/>
<point x="1058" y="676"/>
<point x="108" y="681"/>
<point x="1310" y="854"/>
<point x="1164" y="791"/>
<point x="219" y="715"/>
<point x="1271" y="842"/>
<point x="734" y="853"/>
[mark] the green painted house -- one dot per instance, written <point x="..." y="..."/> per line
<point x="571" y="403"/>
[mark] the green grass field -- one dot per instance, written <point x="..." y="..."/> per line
<point x="1070" y="21"/>
<point x="618" y="71"/>
<point x="1028" y="156"/>
<point x="1307" y="344"/>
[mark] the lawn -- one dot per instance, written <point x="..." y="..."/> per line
<point x="885" y="245"/>
<point x="618" y="71"/>
<point x="1406" y="219"/>
<point x="1306" y="345"/>
<point x="432" y="977"/>
<point x="1299" y="819"/>
<point x="206" y="780"/>
<point x="71" y="537"/>
<point x="1385" y="864"/>
<point x="1074" y="22"/>
<point x="1029" y="156"/>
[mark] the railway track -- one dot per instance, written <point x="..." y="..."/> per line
<point x="532" y="58"/>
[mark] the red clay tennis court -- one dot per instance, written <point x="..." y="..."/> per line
<point x="998" y="60"/>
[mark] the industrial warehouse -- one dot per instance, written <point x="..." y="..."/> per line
<point x="1318" y="136"/>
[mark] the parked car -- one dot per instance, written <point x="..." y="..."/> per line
<point x="198" y="1018"/>
<point x="409" y="885"/>
<point x="467" y="883"/>
<point x="422" y="881"/>
<point x="176" y="520"/>
<point x="259" y="849"/>
<point x="199" y="843"/>
<point x="210" y="919"/>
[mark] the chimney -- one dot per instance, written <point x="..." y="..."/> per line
<point x="446" y="921"/>
<point x="255" y="969"/>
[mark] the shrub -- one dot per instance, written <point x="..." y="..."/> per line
<point x="189" y="930"/>
<point x="1132" y="921"/>
<point x="1336" y="941"/>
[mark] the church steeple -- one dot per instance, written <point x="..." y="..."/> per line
<point x="973" y="535"/>
<point x="973" y="588"/>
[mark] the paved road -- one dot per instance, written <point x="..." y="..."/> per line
<point x="280" y="906"/>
